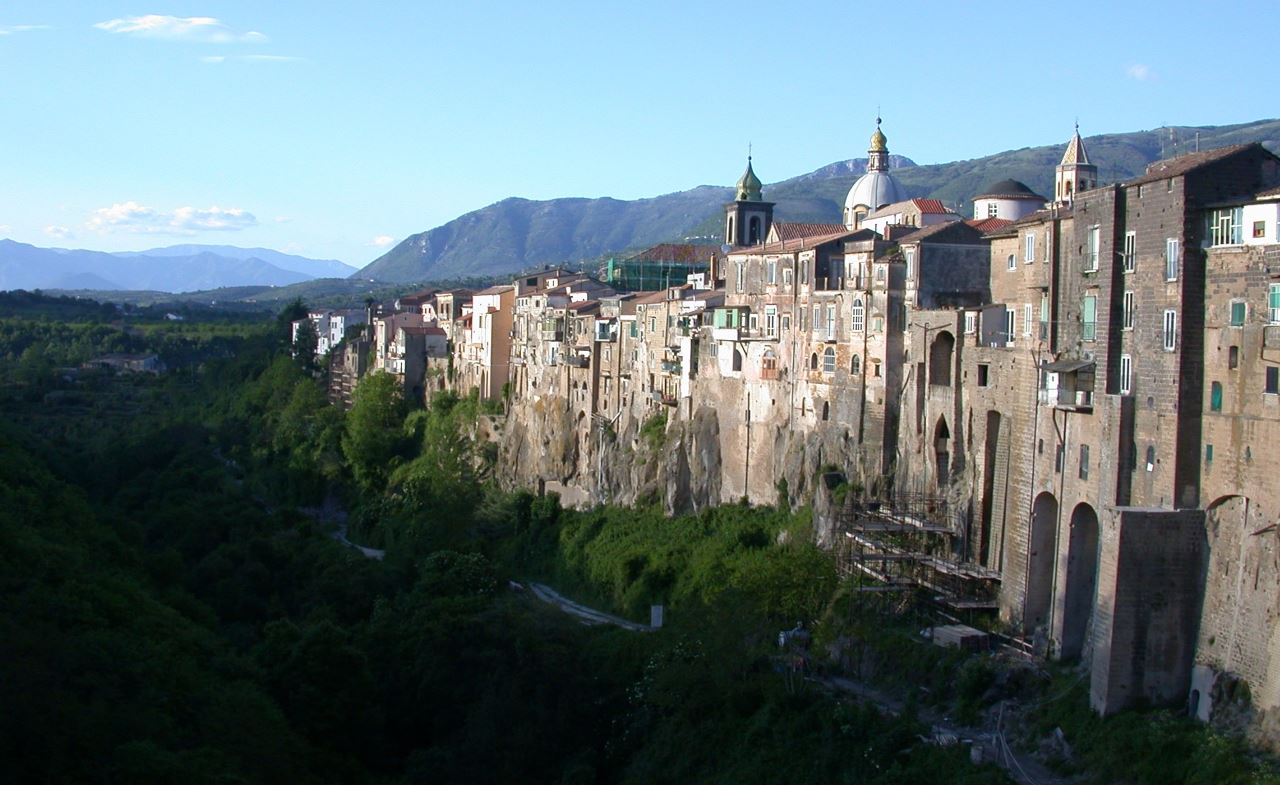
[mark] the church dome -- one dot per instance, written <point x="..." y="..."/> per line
<point x="1009" y="189"/>
<point x="872" y="191"/>
<point x="749" y="185"/>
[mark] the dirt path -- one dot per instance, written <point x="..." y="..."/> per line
<point x="586" y="615"/>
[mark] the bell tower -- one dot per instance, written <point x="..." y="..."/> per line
<point x="1075" y="173"/>
<point x="748" y="217"/>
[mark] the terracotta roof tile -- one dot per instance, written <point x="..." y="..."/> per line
<point x="988" y="224"/>
<point x="684" y="253"/>
<point x="795" y="231"/>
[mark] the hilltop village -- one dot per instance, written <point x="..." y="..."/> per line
<point x="1056" y="410"/>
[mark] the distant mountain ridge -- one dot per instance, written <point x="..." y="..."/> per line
<point x="516" y="234"/>
<point x="175" y="269"/>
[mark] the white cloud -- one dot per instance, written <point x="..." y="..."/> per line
<point x="5" y="227"/>
<point x="1140" y="72"/>
<point x="11" y="29"/>
<point x="382" y="240"/>
<point x="135" y="218"/>
<point x="200" y="29"/>
<point x="58" y="232"/>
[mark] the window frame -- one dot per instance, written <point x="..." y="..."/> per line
<point x="1128" y="311"/>
<point x="1172" y="250"/>
<point x="1169" y="331"/>
<point x="1126" y="374"/>
<point x="1129" y="257"/>
<point x="1089" y="318"/>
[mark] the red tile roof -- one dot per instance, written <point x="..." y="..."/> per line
<point x="930" y="206"/>
<point x="795" y="231"/>
<point x="988" y="224"/>
<point x="684" y="253"/>
<point x="785" y="247"/>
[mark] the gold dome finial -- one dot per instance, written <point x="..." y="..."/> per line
<point x="879" y="144"/>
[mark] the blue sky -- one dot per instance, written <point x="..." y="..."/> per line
<point x="334" y="129"/>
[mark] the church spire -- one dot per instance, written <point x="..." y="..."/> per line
<point x="878" y="154"/>
<point x="749" y="186"/>
<point x="1075" y="173"/>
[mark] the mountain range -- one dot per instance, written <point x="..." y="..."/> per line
<point x="179" y="268"/>
<point x="516" y="234"/>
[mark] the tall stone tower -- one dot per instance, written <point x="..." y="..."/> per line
<point x="1075" y="173"/>
<point x="748" y="217"/>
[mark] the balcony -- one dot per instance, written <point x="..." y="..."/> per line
<point x="576" y="360"/>
<point x="725" y="333"/>
<point x="672" y="367"/>
<point x="1068" y="385"/>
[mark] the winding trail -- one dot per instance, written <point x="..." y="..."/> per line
<point x="588" y="616"/>
<point x="333" y="512"/>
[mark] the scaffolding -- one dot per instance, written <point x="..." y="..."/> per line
<point x="913" y="541"/>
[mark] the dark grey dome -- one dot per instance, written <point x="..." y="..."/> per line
<point x="1009" y="189"/>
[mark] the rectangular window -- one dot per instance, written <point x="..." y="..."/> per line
<point x="1010" y="326"/>
<point x="1170" y="330"/>
<point x="970" y="322"/>
<point x="1128" y="310"/>
<point x="1084" y="461"/>
<point x="1126" y="374"/>
<point x="771" y="271"/>
<point x="738" y="281"/>
<point x="786" y="324"/>
<point x="1225" y="226"/>
<point x="1208" y="453"/>
<point x="1233" y="357"/>
<point x="786" y="277"/>
<point x="1238" y="313"/>
<point x="1026" y="319"/>
<point x="1171" y="259"/>
<point x="1029" y="251"/>
<point x="1089" y="318"/>
<point x="984" y="374"/>
<point x="1273" y="303"/>
<point x="831" y="322"/>
<point x="909" y="254"/>
<point x="1044" y="317"/>
<point x="1130" y="251"/>
<point x="1092" y="244"/>
<point x="771" y="321"/>
<point x="1259" y="229"/>
<point x="1273" y="380"/>
<point x="1012" y="262"/>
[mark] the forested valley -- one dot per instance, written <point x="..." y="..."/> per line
<point x="178" y="606"/>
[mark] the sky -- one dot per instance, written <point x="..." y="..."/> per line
<point x="336" y="129"/>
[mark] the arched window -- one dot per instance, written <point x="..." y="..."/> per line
<point x="1151" y="458"/>
<point x="813" y="361"/>
<point x="829" y="360"/>
<point x="737" y="360"/>
<point x="855" y="364"/>
<point x="859" y="315"/>
<point x="826" y="410"/>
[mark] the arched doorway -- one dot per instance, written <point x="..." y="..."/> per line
<point x="942" y="452"/>
<point x="1082" y="580"/>
<point x="1044" y="517"/>
<point x="940" y="354"/>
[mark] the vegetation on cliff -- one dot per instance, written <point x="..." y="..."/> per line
<point x="177" y="608"/>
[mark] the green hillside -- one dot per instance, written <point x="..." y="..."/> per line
<point x="516" y="234"/>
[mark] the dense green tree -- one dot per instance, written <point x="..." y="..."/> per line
<point x="374" y="440"/>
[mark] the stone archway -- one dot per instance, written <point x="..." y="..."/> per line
<point x="940" y="354"/>
<point x="1082" y="581"/>
<point x="1040" y="543"/>
<point x="942" y="452"/>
